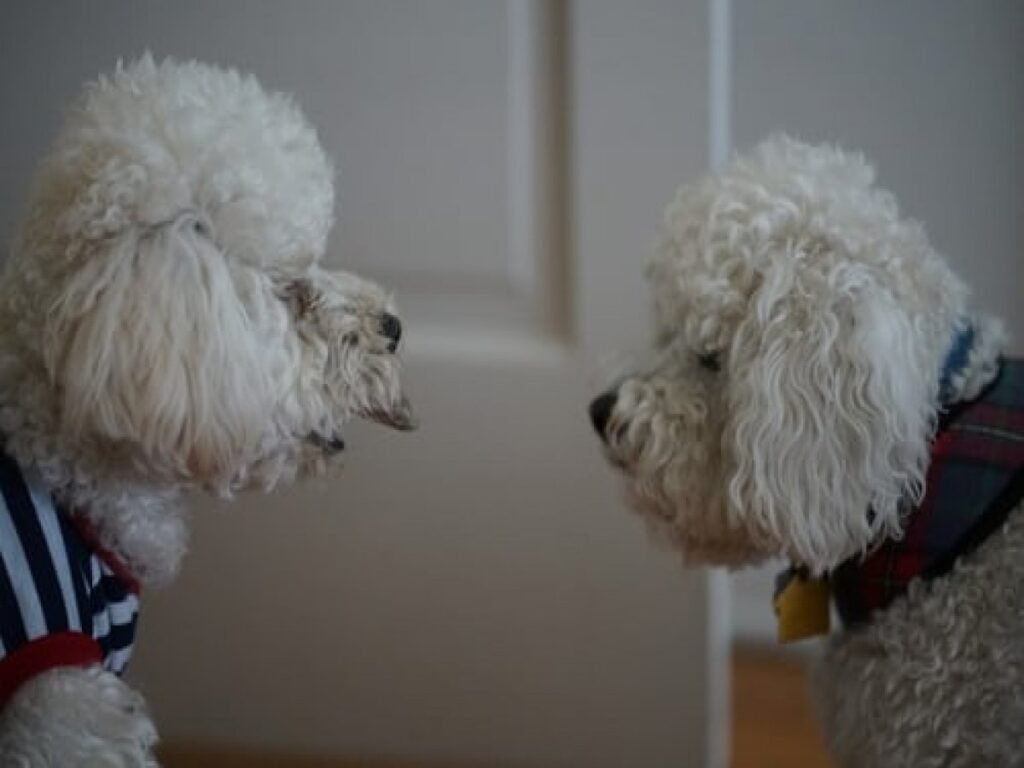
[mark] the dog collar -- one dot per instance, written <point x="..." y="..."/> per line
<point x="956" y="361"/>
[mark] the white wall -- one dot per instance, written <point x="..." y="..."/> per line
<point x="933" y="92"/>
<point x="394" y="89"/>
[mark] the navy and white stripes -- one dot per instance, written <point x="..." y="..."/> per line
<point x="55" y="590"/>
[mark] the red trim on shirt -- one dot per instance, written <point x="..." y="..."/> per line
<point x="61" y="649"/>
<point x="113" y="562"/>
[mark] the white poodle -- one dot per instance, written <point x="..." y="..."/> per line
<point x="164" y="326"/>
<point x="822" y="392"/>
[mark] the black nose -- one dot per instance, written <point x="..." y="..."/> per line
<point x="391" y="327"/>
<point x="601" y="411"/>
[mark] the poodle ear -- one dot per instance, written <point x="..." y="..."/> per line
<point x="831" y="400"/>
<point x="152" y="351"/>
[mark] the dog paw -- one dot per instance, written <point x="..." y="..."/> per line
<point x="77" y="717"/>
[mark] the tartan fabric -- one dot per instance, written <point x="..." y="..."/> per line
<point x="975" y="478"/>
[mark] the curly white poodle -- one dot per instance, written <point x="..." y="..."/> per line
<point x="822" y="392"/>
<point x="165" y="325"/>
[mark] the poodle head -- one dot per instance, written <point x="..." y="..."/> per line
<point x="170" y="315"/>
<point x="801" y="330"/>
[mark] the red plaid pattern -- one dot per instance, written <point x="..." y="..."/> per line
<point x="976" y="477"/>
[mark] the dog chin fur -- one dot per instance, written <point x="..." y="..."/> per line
<point x="802" y="325"/>
<point x="165" y="326"/>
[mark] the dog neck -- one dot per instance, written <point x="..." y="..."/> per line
<point x="971" y="366"/>
<point x="142" y="526"/>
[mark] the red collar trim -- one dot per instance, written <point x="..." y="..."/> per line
<point x="88" y="533"/>
<point x="62" y="649"/>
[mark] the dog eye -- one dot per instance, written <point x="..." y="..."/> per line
<point x="710" y="361"/>
<point x="200" y="224"/>
<point x="301" y="296"/>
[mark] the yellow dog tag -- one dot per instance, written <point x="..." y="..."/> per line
<point x="801" y="606"/>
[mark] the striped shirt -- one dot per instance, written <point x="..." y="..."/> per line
<point x="63" y="600"/>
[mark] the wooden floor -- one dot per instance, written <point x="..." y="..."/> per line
<point x="772" y="722"/>
<point x="199" y="757"/>
<point x="772" y="726"/>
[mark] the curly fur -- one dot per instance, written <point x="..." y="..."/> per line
<point x="76" y="717"/>
<point x="935" y="680"/>
<point x="801" y="329"/>
<point x="165" y="325"/>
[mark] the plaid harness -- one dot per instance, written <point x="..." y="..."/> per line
<point x="974" y="480"/>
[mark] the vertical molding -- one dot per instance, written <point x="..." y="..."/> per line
<point x="537" y="160"/>
<point x="719" y="81"/>
<point x="522" y="105"/>
<point x="719" y="594"/>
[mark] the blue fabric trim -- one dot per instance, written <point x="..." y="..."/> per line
<point x="956" y="361"/>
